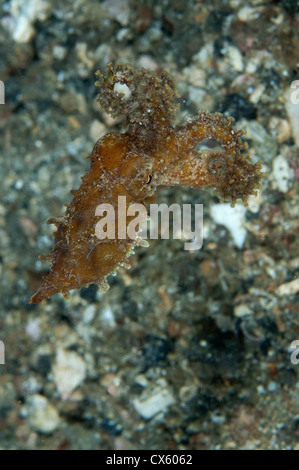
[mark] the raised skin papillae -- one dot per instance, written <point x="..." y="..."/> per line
<point x="133" y="164"/>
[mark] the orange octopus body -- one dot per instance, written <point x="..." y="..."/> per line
<point x="150" y="154"/>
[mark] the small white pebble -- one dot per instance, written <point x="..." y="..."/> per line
<point x="242" y="310"/>
<point x="69" y="371"/>
<point x="288" y="288"/>
<point x="108" y="316"/>
<point x="282" y="174"/>
<point x="42" y="415"/>
<point x="89" y="314"/>
<point x="97" y="130"/>
<point x="235" y="58"/>
<point x="152" y="402"/>
<point x="217" y="419"/>
<point x="233" y="218"/>
<point x="23" y="30"/>
<point x="59" y="52"/>
<point x="122" y="88"/>
<point x="33" y="329"/>
<point x="260" y="390"/>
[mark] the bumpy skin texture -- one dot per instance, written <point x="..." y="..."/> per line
<point x="149" y="154"/>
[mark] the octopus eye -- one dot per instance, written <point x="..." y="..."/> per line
<point x="149" y="179"/>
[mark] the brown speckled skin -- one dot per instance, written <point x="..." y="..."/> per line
<point x="150" y="154"/>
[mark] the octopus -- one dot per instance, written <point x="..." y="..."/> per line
<point x="152" y="152"/>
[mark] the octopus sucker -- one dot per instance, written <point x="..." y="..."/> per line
<point x="151" y="153"/>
